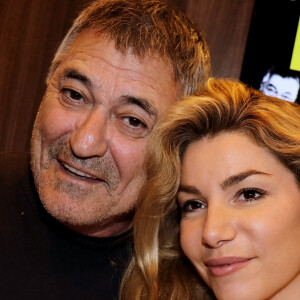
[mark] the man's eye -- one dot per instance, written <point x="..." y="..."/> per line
<point x="271" y="88"/>
<point x="135" y="122"/>
<point x="72" y="94"/>
<point x="133" y="127"/>
<point x="287" y="98"/>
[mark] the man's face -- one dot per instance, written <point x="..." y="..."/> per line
<point x="285" y="88"/>
<point x="91" y="131"/>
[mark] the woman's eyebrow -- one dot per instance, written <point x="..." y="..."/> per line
<point x="189" y="189"/>
<point x="234" y="179"/>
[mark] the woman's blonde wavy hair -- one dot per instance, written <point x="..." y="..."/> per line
<point x="159" y="270"/>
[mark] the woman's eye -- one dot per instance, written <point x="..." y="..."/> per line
<point x="251" y="194"/>
<point x="192" y="205"/>
<point x="72" y="94"/>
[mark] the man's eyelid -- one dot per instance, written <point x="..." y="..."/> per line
<point x="126" y="111"/>
<point x="271" y="87"/>
<point x="142" y="123"/>
<point x="141" y="104"/>
<point x="134" y="109"/>
<point x="79" y="88"/>
<point x="80" y="92"/>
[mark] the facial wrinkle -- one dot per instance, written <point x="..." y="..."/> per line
<point x="100" y="167"/>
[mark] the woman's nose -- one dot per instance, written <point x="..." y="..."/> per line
<point x="219" y="226"/>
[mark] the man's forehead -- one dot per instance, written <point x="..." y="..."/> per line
<point x="285" y="81"/>
<point x="89" y="40"/>
<point x="94" y="55"/>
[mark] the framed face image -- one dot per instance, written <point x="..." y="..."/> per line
<point x="271" y="61"/>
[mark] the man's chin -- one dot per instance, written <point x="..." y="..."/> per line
<point x="87" y="216"/>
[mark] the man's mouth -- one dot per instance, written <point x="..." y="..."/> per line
<point x="78" y="174"/>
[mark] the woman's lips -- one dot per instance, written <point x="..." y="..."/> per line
<point x="226" y="265"/>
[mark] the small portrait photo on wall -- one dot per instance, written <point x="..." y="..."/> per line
<point x="272" y="55"/>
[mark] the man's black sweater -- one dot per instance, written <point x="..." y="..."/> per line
<point x="42" y="259"/>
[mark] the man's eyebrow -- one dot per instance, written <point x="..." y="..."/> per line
<point x="235" y="179"/>
<point x="75" y="74"/>
<point x="142" y="103"/>
<point x="188" y="189"/>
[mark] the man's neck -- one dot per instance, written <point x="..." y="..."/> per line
<point x="114" y="227"/>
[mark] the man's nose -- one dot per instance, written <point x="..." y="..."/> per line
<point x="219" y="226"/>
<point x="90" y="137"/>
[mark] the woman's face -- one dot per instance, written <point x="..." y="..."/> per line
<point x="240" y="223"/>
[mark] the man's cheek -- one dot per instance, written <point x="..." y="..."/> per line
<point x="55" y="123"/>
<point x="130" y="157"/>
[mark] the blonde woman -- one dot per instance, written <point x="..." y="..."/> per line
<point x="221" y="208"/>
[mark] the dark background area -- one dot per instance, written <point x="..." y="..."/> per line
<point x="30" y="32"/>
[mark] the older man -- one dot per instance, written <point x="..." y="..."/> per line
<point x="66" y="234"/>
